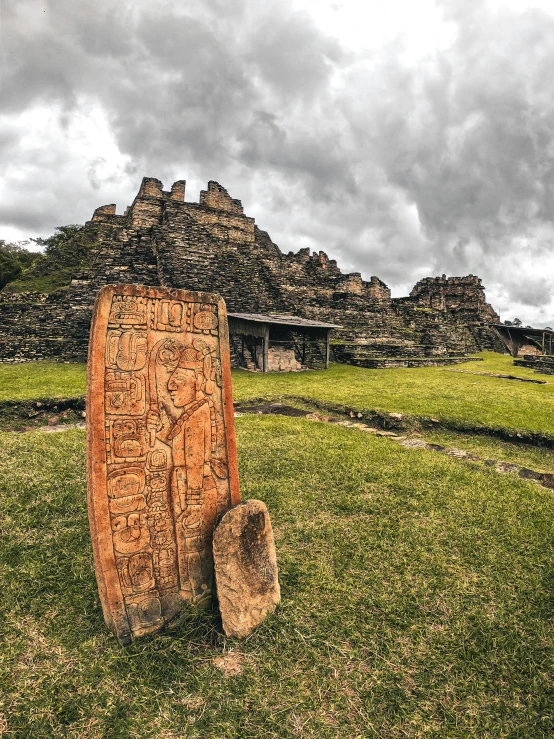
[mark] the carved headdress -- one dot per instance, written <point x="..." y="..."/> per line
<point x="197" y="356"/>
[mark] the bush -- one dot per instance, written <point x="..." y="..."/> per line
<point x="68" y="249"/>
<point x="14" y="258"/>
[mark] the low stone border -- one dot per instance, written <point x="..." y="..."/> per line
<point x="502" y="377"/>
<point x="405" y="362"/>
<point x="546" y="479"/>
<point x="31" y="414"/>
<point x="402" y="422"/>
<point x="23" y="415"/>
<point x="542" y="364"/>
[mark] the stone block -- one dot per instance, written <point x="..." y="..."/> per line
<point x="245" y="568"/>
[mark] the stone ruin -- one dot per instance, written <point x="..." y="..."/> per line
<point x="211" y="245"/>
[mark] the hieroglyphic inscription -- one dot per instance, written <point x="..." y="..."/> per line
<point x="161" y="450"/>
<point x="125" y="393"/>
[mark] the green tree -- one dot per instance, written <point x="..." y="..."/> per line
<point x="69" y="246"/>
<point x="14" y="258"/>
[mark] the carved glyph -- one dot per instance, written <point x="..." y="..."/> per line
<point x="161" y="450"/>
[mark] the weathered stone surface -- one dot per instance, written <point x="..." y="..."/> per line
<point x="161" y="450"/>
<point x="245" y="568"/>
<point x="543" y="365"/>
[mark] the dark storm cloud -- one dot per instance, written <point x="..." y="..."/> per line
<point x="481" y="159"/>
<point x="533" y="293"/>
<point x="397" y="169"/>
<point x="292" y="56"/>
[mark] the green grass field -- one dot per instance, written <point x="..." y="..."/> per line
<point x="32" y="380"/>
<point x="417" y="602"/>
<point x="441" y="392"/>
<point x="453" y="393"/>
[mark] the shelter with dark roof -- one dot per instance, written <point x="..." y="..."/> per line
<point x="526" y="341"/>
<point x="282" y="343"/>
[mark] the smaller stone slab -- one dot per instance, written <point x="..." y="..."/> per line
<point x="245" y="568"/>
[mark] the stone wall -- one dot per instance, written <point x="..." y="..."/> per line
<point x="453" y="293"/>
<point x="543" y="365"/>
<point x="43" y="326"/>
<point x="282" y="359"/>
<point x="213" y="246"/>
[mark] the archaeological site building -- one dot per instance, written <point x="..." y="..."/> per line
<point x="161" y="240"/>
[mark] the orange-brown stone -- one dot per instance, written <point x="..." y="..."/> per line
<point x="161" y="450"/>
<point x="245" y="568"/>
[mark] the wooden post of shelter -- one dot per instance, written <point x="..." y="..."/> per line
<point x="512" y="344"/>
<point x="328" y="333"/>
<point x="265" y="349"/>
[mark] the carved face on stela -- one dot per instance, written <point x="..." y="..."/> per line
<point x="182" y="387"/>
<point x="191" y="371"/>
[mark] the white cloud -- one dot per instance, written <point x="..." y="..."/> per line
<point x="55" y="166"/>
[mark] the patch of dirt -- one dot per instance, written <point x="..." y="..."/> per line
<point x="230" y="664"/>
<point x="275" y="409"/>
<point x="26" y="415"/>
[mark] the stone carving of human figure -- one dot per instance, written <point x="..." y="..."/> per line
<point x="193" y="488"/>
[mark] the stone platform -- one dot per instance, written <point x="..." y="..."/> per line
<point x="393" y="362"/>
<point x="542" y="364"/>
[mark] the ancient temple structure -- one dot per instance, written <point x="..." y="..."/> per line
<point x="211" y="245"/>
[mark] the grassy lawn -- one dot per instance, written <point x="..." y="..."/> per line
<point x="441" y="392"/>
<point x="417" y="602"/>
<point x="41" y="380"/>
<point x="453" y="393"/>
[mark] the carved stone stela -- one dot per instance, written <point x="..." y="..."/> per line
<point x="161" y="450"/>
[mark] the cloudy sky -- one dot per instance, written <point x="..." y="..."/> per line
<point x="403" y="138"/>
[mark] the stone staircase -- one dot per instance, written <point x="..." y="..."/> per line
<point x="360" y="353"/>
<point x="242" y="356"/>
<point x="249" y="363"/>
